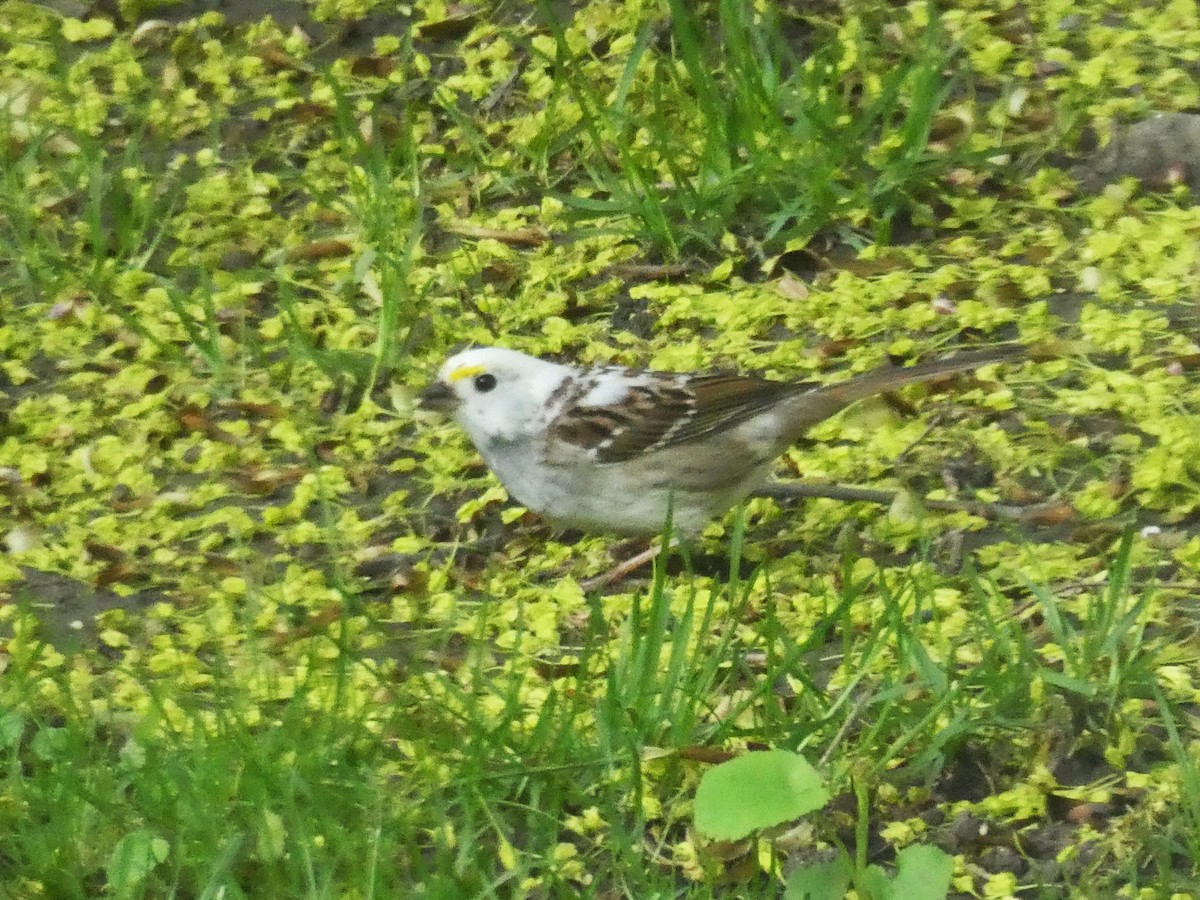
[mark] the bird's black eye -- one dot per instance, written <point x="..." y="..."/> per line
<point x="484" y="382"/>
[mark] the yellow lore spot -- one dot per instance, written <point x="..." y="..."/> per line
<point x="465" y="372"/>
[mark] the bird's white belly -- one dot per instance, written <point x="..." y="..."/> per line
<point x="597" y="499"/>
<point x="625" y="497"/>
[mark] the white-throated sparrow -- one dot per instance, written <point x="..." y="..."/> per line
<point x="610" y="449"/>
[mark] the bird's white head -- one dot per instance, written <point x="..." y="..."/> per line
<point x="497" y="395"/>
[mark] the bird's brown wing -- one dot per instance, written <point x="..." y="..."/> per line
<point x="662" y="410"/>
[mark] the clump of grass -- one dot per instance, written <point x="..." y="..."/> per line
<point x="733" y="127"/>
<point x="331" y="768"/>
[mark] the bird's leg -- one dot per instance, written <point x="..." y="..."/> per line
<point x="625" y="569"/>
<point x="796" y="490"/>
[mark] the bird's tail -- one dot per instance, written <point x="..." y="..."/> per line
<point x="814" y="406"/>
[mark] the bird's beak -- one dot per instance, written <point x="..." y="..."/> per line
<point x="438" y="396"/>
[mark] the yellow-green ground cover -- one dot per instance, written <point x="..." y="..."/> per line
<point x="269" y="630"/>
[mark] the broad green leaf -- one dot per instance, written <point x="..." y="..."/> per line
<point x="874" y="884"/>
<point x="132" y="860"/>
<point x="923" y="873"/>
<point x="822" y="881"/>
<point x="756" y="791"/>
<point x="11" y="728"/>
